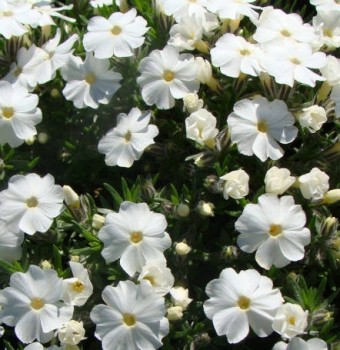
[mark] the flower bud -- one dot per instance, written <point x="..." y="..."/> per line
<point x="312" y="118"/>
<point x="46" y="265"/>
<point x="98" y="221"/>
<point x="30" y="140"/>
<point x="182" y="210"/>
<point x="174" y="313"/>
<point x="206" y="208"/>
<point x="192" y="102"/>
<point x="180" y="297"/>
<point x="236" y="184"/>
<point x="182" y="248"/>
<point x="314" y="184"/>
<point x="331" y="196"/>
<point x="71" y="197"/>
<point x="277" y="181"/>
<point x="42" y="137"/>
<point x="71" y="333"/>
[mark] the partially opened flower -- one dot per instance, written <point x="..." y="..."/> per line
<point x="116" y="36"/>
<point x="328" y="22"/>
<point x="32" y="304"/>
<point x="167" y="75"/>
<point x="31" y="203"/>
<point x="256" y="126"/>
<point x="239" y="300"/>
<point x="19" y="114"/>
<point x="133" y="317"/>
<point x="89" y="83"/>
<point x="77" y="289"/>
<point x="314" y="184"/>
<point x="236" y="184"/>
<point x="127" y="141"/>
<point x="135" y="235"/>
<point x="277" y="181"/>
<point x="275" y="229"/>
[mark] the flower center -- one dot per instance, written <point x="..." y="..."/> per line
<point x="32" y="202"/>
<point x="168" y="75"/>
<point x="151" y="279"/>
<point x="136" y="237"/>
<point x="7" y="112"/>
<point x="285" y="33"/>
<point x="275" y="230"/>
<point x="90" y="78"/>
<point x="245" y="52"/>
<point x="37" y="303"/>
<point x="116" y="30"/>
<point x="7" y="13"/>
<point x="78" y="286"/>
<point x="292" y="320"/>
<point x="262" y="126"/>
<point x="243" y="303"/>
<point x="294" y="60"/>
<point x="127" y="137"/>
<point x="129" y="319"/>
<point x="327" y="32"/>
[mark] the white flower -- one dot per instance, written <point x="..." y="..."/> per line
<point x="71" y="333"/>
<point x="300" y="344"/>
<point x="71" y="197"/>
<point x="90" y="82"/>
<point x="134" y="235"/>
<point x="288" y="61"/>
<point x="78" y="289"/>
<point x="236" y="184"/>
<point x="132" y="319"/>
<point x="100" y="3"/>
<point x="30" y="203"/>
<point x="274" y="228"/>
<point x="325" y="4"/>
<point x="277" y="181"/>
<point x="239" y="300"/>
<point x="32" y="303"/>
<point x="174" y="313"/>
<point x="276" y="25"/>
<point x="18" y="114"/>
<point x="256" y="125"/>
<point x="10" y="244"/>
<point x="47" y="12"/>
<point x="234" y="55"/>
<point x="167" y="75"/>
<point x="312" y="118"/>
<point x="192" y="102"/>
<point x="331" y="71"/>
<point x="233" y="9"/>
<point x="127" y="141"/>
<point x="290" y="320"/>
<point x="328" y="22"/>
<point x="205" y="208"/>
<point x="201" y="127"/>
<point x="180" y="297"/>
<point x="116" y="36"/>
<point x="158" y="275"/>
<point x="204" y="72"/>
<point x="314" y="184"/>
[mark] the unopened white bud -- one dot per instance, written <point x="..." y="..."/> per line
<point x="182" y="210"/>
<point x="205" y="208"/>
<point x="182" y="248"/>
<point x="71" y="197"/>
<point x="98" y="221"/>
<point x="331" y="196"/>
<point x="174" y="313"/>
<point x="46" y="265"/>
<point x="29" y="141"/>
<point x="312" y="118"/>
<point x="71" y="333"/>
<point x="192" y="102"/>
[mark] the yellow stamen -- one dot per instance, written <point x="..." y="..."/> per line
<point x="151" y="279"/>
<point x="136" y="237"/>
<point x="90" y="78"/>
<point x="168" y="75"/>
<point x="285" y="33"/>
<point x="327" y="32"/>
<point x="116" y="30"/>
<point x="243" y="303"/>
<point x="292" y="320"/>
<point x="7" y="112"/>
<point x="262" y="126"/>
<point x="127" y="137"/>
<point x="32" y="202"/>
<point x="295" y="60"/>
<point x="37" y="303"/>
<point x="245" y="52"/>
<point x="275" y="230"/>
<point x="78" y="286"/>
<point x="129" y="320"/>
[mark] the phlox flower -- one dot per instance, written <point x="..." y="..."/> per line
<point x="299" y="344"/>
<point x="234" y="55"/>
<point x="288" y="62"/>
<point x="325" y="4"/>
<point x="18" y="114"/>
<point x="30" y="203"/>
<point x="135" y="235"/>
<point x="326" y="22"/>
<point x="132" y="319"/>
<point x="277" y="181"/>
<point x="158" y="276"/>
<point x="236" y="184"/>
<point x="167" y="75"/>
<point x="256" y="126"/>
<point x="10" y="243"/>
<point x="116" y="36"/>
<point x="89" y="83"/>
<point x="275" y="25"/>
<point x="127" y="141"/>
<point x="274" y="228"/>
<point x="314" y="184"/>
<point x="183" y="8"/>
<point x="32" y="304"/>
<point x="77" y="289"/>
<point x="47" y="12"/>
<point x="71" y="333"/>
<point x="290" y="320"/>
<point x="331" y="71"/>
<point x="239" y="300"/>
<point x="233" y="9"/>
<point x="14" y="17"/>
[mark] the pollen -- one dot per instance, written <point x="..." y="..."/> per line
<point x="37" y="303"/>
<point x="262" y="126"/>
<point x="77" y="286"/>
<point x="31" y="202"/>
<point x="136" y="237"/>
<point x="275" y="230"/>
<point x="168" y="75"/>
<point x="116" y="30"/>
<point x="294" y="60"/>
<point x="127" y="137"/>
<point x="7" y="112"/>
<point x="129" y="320"/>
<point x="292" y="320"/>
<point x="90" y="78"/>
<point x="245" y="52"/>
<point x="243" y="303"/>
<point x="286" y="33"/>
